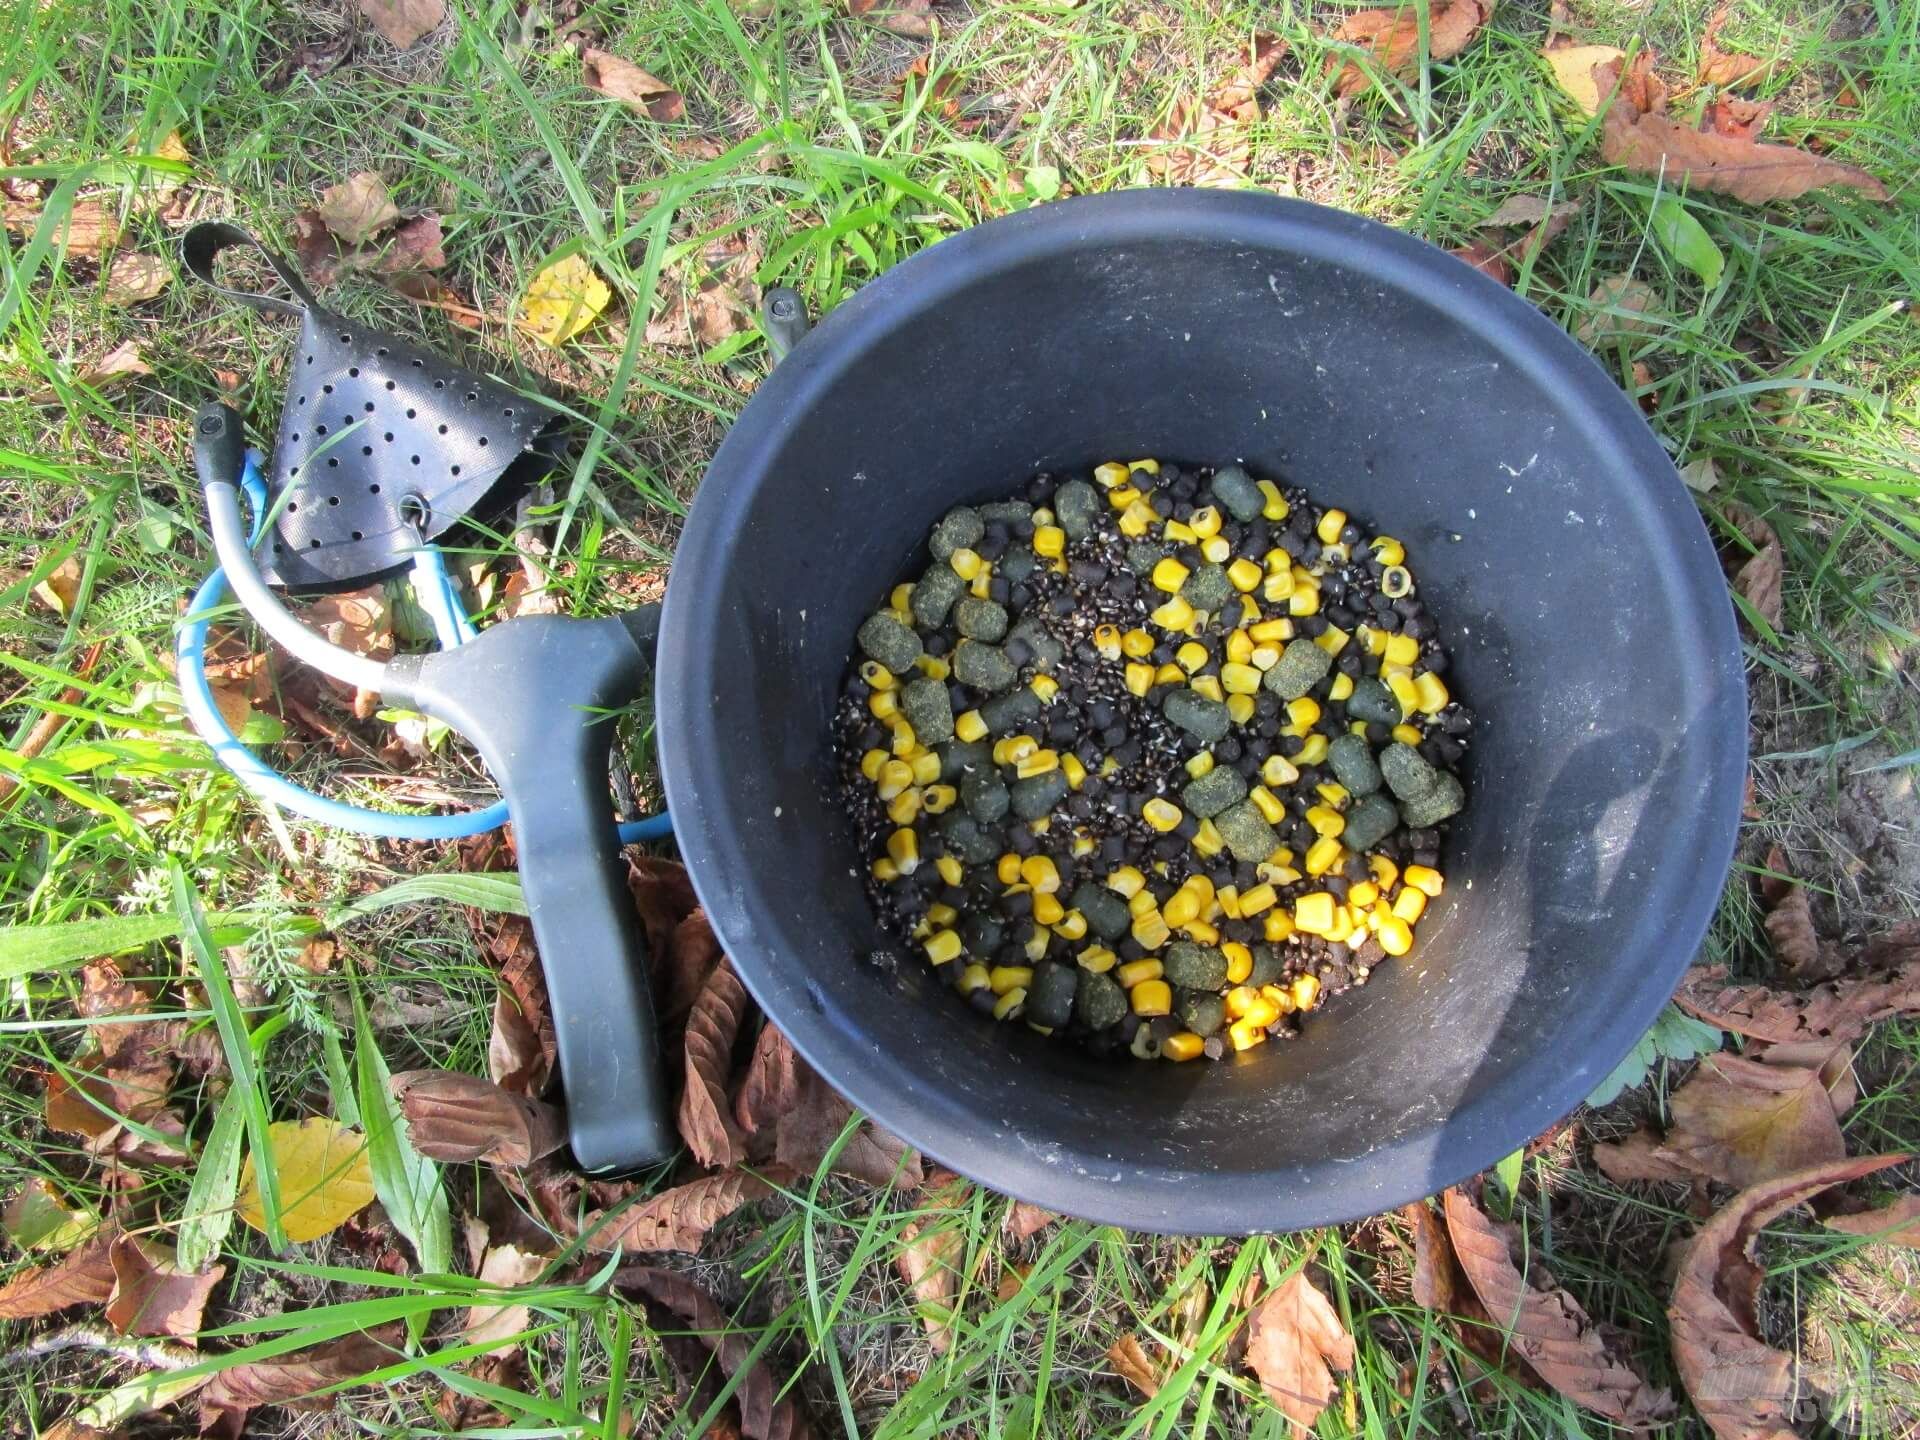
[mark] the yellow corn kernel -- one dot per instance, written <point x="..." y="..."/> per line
<point x="1009" y="1005"/>
<point x="1041" y="873"/>
<point x="1012" y="749"/>
<point x="1096" y="958"/>
<point x="1268" y="804"/>
<point x="1228" y="902"/>
<point x="1410" y="904"/>
<point x="1151" y="997"/>
<point x="1142" y="902"/>
<point x="1270" y="632"/>
<point x="1314" y="913"/>
<point x="1341" y="688"/>
<point x="1304" y="712"/>
<point x="1334" y="793"/>
<point x="901" y="596"/>
<point x="1083" y="843"/>
<point x="1048" y="540"/>
<point x="1075" y="771"/>
<point x="981" y="586"/>
<point x="1152" y="467"/>
<point x="1040" y="826"/>
<point x="1040" y="762"/>
<point x="1139" y="678"/>
<point x="1424" y="878"/>
<point x="1389" y="550"/>
<point x="877" y="675"/>
<point x="1276" y="587"/>
<point x="1239" y="708"/>
<point x="1007" y="869"/>
<point x="1071" y="926"/>
<point x="1207" y="685"/>
<point x="1179" y="532"/>
<point x="1205" y="521"/>
<point x="1277" y="926"/>
<point x="1303" y="601"/>
<point x="1365" y="893"/>
<point x="1126" y="881"/>
<point x="1402" y="648"/>
<point x="942" y="946"/>
<point x="1263" y="1012"/>
<point x="1136" y="643"/>
<point x="1182" y="909"/>
<point x="1278" y="996"/>
<point x="1325" y="820"/>
<point x="941" y="915"/>
<point x="904" y="808"/>
<point x="969" y="726"/>
<point x="1191" y="656"/>
<point x="1176" y="614"/>
<point x="1169" y="575"/>
<point x="1151" y="930"/>
<point x="1047" y="909"/>
<point x="1396" y="936"/>
<point x="873" y="765"/>
<point x="933" y="667"/>
<point x="1106" y="639"/>
<point x="883" y="703"/>
<point x="950" y="868"/>
<point x="1244" y="1036"/>
<point x="1249" y="610"/>
<point x="1371" y="639"/>
<point x="1278" y="770"/>
<point x="1239" y="679"/>
<point x="1108" y="766"/>
<point x="1036" y="946"/>
<point x="1405" y="692"/>
<point x="966" y="563"/>
<point x="1200" y="766"/>
<point x="1184" y="1046"/>
<point x="1330" y="526"/>
<point x="1332" y="639"/>
<point x="1162" y="814"/>
<point x="1343" y="925"/>
<point x="903" y="848"/>
<point x="1430" y="693"/>
<point x="1045" y="687"/>
<point x="1396" y="582"/>
<point x="1135" y="971"/>
<point x="1122" y="496"/>
<point x="885" y="871"/>
<point x="1276" y="507"/>
<point x="1137" y="519"/>
<point x="1384" y="871"/>
<point x="1244" y="575"/>
<point x="1408" y="734"/>
<point x="1314" y="751"/>
<point x="925" y="767"/>
<point x="1323" y="855"/>
<point x="904" y="742"/>
<point x="1239" y="961"/>
<point x="974" y="977"/>
<point x="1111" y="474"/>
<point x="1241" y="999"/>
<point x="1256" y="899"/>
<point x="1306" y="991"/>
<point x="1208" y="840"/>
<point x="1169" y="674"/>
<point x="1239" y="647"/>
<point x="1216" y="548"/>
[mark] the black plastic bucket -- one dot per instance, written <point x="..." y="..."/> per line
<point x="1573" y="578"/>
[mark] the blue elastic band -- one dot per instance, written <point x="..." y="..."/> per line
<point x="452" y="627"/>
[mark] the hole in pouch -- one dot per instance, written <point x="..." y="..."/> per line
<point x="333" y="499"/>
<point x="414" y="510"/>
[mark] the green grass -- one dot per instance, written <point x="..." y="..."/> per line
<point x="1795" y="374"/>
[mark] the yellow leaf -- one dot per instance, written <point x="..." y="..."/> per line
<point x="564" y="299"/>
<point x="325" y="1177"/>
<point x="1573" y="68"/>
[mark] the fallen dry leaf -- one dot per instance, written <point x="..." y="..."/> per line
<point x="505" y="1267"/>
<point x="625" y="81"/>
<point x="942" y="95"/>
<point x="720" y="305"/>
<point x="508" y="1371"/>
<point x="415" y="244"/>
<point x="132" y="278"/>
<point x="39" y="1217"/>
<point x="522" y="1048"/>
<point x="911" y="18"/>
<point x="1211" y="143"/>
<point x="1130" y="1363"/>
<point x="1545" y="1324"/>
<point x="1895" y="1224"/>
<point x="152" y="1295"/>
<point x="120" y="363"/>
<point x="810" y="1129"/>
<point x="358" y="208"/>
<point x="564" y="299"/>
<point x="677" y="1219"/>
<point x="325" y="1177"/>
<point x="1838" y="1011"/>
<point x="1026" y="1219"/>
<point x="1654" y="144"/>
<point x="1295" y="1342"/>
<point x="1573" y="67"/>
<point x="61" y="588"/>
<point x="764" y="1414"/>
<point x="663" y="896"/>
<point x="1832" y="1063"/>
<point x="1488" y="260"/>
<point x="1440" y="1285"/>
<point x="771" y="1085"/>
<point x="88" y="231"/>
<point x="1757" y="569"/>
<point x="1723" y="67"/>
<point x="1739" y="119"/>
<point x="1640" y="1157"/>
<point x="1701" y="476"/>
<point x="1743" y="1122"/>
<point x="457" y="1119"/>
<point x="1789" y="909"/>
<point x="293" y="1380"/>
<point x="83" y="1276"/>
<point x="1743" y="1389"/>
<point x="1392" y="39"/>
<point x="706" y="1123"/>
<point x="402" y="22"/>
<point x="931" y="1252"/>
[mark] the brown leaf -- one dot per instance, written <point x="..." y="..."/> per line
<point x="1743" y="1122"/>
<point x="358" y="208"/>
<point x="1487" y="260"/>
<point x="1439" y="1284"/>
<point x="1621" y="293"/>
<point x="677" y="1219"/>
<point x="133" y="278"/>
<point x="83" y="1276"/>
<point x="152" y="1295"/>
<point x="461" y="1118"/>
<point x="1210" y="144"/>
<point x="625" y="81"/>
<point x="1722" y="67"/>
<point x="712" y="1025"/>
<point x="401" y="22"/>
<point x="931" y="1252"/>
<point x="1737" y="118"/>
<point x="1838" y="1011"/>
<point x="1757" y="569"/>
<point x="764" y="1415"/>
<point x="119" y="363"/>
<point x="1130" y="1363"/>
<point x="1895" y="1224"/>
<point x="1640" y="1157"/>
<point x="1294" y="1343"/>
<point x="1574" y="66"/>
<point x="1743" y="1389"/>
<point x="721" y="303"/>
<point x="1789" y="918"/>
<point x="680" y="973"/>
<point x="1545" y="1324"/>
<point x="356" y="620"/>
<point x="88" y="230"/>
<point x="943" y="96"/>
<point x="1392" y="39"/>
<point x="664" y="897"/>
<point x="292" y="1380"/>
<point x="522" y="1048"/>
<point x="771" y="1086"/>
<point x="61" y="589"/>
<point x="809" y="1130"/>
<point x="1832" y="1063"/>
<point x="911" y="18"/>
<point x="508" y="1371"/>
<point x="505" y="1267"/>
<point x="1653" y="144"/>
<point x="1026" y="1219"/>
<point x="414" y="245"/>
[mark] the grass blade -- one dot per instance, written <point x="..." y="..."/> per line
<point x="216" y="1180"/>
<point x="407" y="1183"/>
<point x="236" y="1040"/>
<point x="25" y="949"/>
<point x="497" y="892"/>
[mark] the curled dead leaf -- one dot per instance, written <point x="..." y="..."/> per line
<point x="771" y="1085"/>
<point x="521" y="1048"/>
<point x="677" y="1219"/>
<point x="932" y="1250"/>
<point x="1724" y="67"/>
<point x="1745" y="1122"/>
<point x="1837" y="1011"/>
<point x="1740" y="119"/>
<point x="505" y="1267"/>
<point x="808" y="1131"/>
<point x="1573" y="67"/>
<point x="83" y="1276"/>
<point x="1895" y="1224"/>
<point x="1640" y="1157"/>
<point x="663" y="896"/>
<point x="625" y="81"/>
<point x="295" y="1380"/>
<point x="60" y="590"/>
<point x="1391" y="39"/>
<point x="1488" y="260"/>
<point x="88" y="230"/>
<point x="458" y="1119"/>
<point x="1758" y="568"/>
<point x="132" y="278"/>
<point x="1295" y="1342"/>
<point x="1742" y="1387"/>
<point x="358" y="208"/>
<point x="402" y="23"/>
<point x="1789" y="911"/>
<point x="911" y="18"/>
<point x="706" y="1121"/>
<point x="152" y="1295"/>
<point x="1211" y="143"/>
<point x="1129" y="1360"/>
<point x="1025" y="1219"/>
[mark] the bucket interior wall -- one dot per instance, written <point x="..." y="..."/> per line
<point x="1545" y="530"/>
